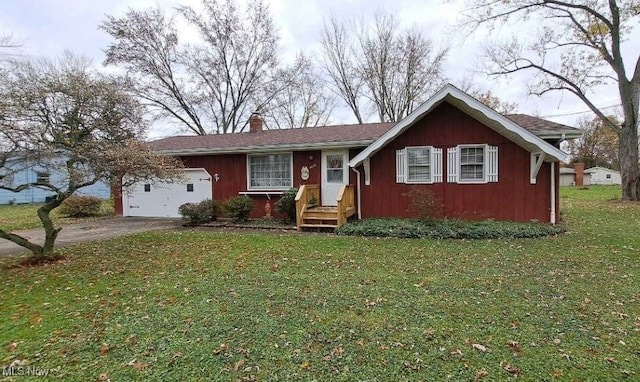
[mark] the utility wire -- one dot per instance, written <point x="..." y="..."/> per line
<point x="579" y="112"/>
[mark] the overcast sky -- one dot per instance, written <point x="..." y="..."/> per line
<point x="49" y="27"/>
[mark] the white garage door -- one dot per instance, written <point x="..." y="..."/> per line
<point x="163" y="199"/>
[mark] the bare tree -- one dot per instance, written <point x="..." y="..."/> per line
<point x="304" y="101"/>
<point x="399" y="68"/>
<point x="63" y="118"/>
<point x="208" y="86"/>
<point x="341" y="66"/>
<point x="577" y="49"/>
<point x="387" y="69"/>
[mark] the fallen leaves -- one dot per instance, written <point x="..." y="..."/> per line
<point x="511" y="369"/>
<point x="479" y="347"/>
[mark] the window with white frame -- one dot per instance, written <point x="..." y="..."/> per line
<point x="472" y="164"/>
<point x="420" y="164"/>
<point x="269" y="171"/>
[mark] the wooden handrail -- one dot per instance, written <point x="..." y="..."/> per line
<point x="346" y="201"/>
<point x="306" y="193"/>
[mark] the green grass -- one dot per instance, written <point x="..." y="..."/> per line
<point x="201" y="305"/>
<point x="24" y="216"/>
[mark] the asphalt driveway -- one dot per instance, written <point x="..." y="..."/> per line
<point x="92" y="230"/>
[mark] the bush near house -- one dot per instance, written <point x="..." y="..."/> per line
<point x="80" y="206"/>
<point x="447" y="229"/>
<point x="206" y="211"/>
<point x="287" y="204"/>
<point x="238" y="208"/>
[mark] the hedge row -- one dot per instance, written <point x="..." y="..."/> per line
<point x="448" y="229"/>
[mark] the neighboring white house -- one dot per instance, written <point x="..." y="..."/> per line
<point x="603" y="175"/>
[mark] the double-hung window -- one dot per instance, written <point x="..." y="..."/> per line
<point x="269" y="171"/>
<point x="421" y="164"/>
<point x="472" y="164"/>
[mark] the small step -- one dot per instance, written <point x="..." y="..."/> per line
<point x="319" y="216"/>
<point x="319" y="225"/>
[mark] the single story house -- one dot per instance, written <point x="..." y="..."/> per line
<point x="603" y="175"/>
<point x="478" y="163"/>
<point x="13" y="175"/>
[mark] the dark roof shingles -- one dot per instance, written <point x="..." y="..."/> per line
<point x="314" y="135"/>
<point x="302" y="136"/>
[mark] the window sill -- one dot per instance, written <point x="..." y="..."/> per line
<point x="265" y="192"/>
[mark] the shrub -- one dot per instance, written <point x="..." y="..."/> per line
<point x="238" y="208"/>
<point x="448" y="229"/>
<point x="80" y="206"/>
<point x="287" y="204"/>
<point x="423" y="203"/>
<point x="199" y="213"/>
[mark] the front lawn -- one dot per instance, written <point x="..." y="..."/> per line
<point x="202" y="305"/>
<point x="24" y="216"/>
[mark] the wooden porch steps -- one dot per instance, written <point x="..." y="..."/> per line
<point x="330" y="217"/>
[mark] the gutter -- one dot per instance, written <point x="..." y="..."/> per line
<point x="358" y="193"/>
<point x="552" y="218"/>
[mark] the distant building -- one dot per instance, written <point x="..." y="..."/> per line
<point x="575" y="176"/>
<point x="603" y="175"/>
<point x="39" y="195"/>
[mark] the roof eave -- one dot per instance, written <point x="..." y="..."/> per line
<point x="470" y="105"/>
<point x="267" y="148"/>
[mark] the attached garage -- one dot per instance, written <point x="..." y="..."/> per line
<point x="163" y="199"/>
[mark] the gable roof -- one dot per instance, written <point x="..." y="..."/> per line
<point x="600" y="168"/>
<point x="477" y="110"/>
<point x="338" y="136"/>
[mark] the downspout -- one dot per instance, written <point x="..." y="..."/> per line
<point x="358" y="193"/>
<point x="553" y="193"/>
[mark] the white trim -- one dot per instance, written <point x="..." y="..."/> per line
<point x="262" y="188"/>
<point x="264" y="192"/>
<point x="401" y="167"/>
<point x="436" y="175"/>
<point x="485" y="153"/>
<point x="536" y="163"/>
<point x="492" y="171"/>
<point x="501" y="124"/>
<point x="452" y="164"/>
<point x="406" y="165"/>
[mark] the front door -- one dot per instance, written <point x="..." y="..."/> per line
<point x="334" y="175"/>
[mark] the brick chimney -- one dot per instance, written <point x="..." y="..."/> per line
<point x="255" y="122"/>
<point x="579" y="168"/>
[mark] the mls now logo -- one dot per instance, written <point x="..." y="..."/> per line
<point x="26" y="371"/>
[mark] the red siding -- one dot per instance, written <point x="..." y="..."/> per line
<point x="232" y="170"/>
<point x="511" y="198"/>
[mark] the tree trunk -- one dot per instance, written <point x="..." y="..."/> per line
<point x="629" y="168"/>
<point x="51" y="233"/>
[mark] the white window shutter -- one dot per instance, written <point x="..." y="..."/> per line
<point x="436" y="165"/>
<point x="401" y="156"/>
<point x="452" y="165"/>
<point x="492" y="165"/>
